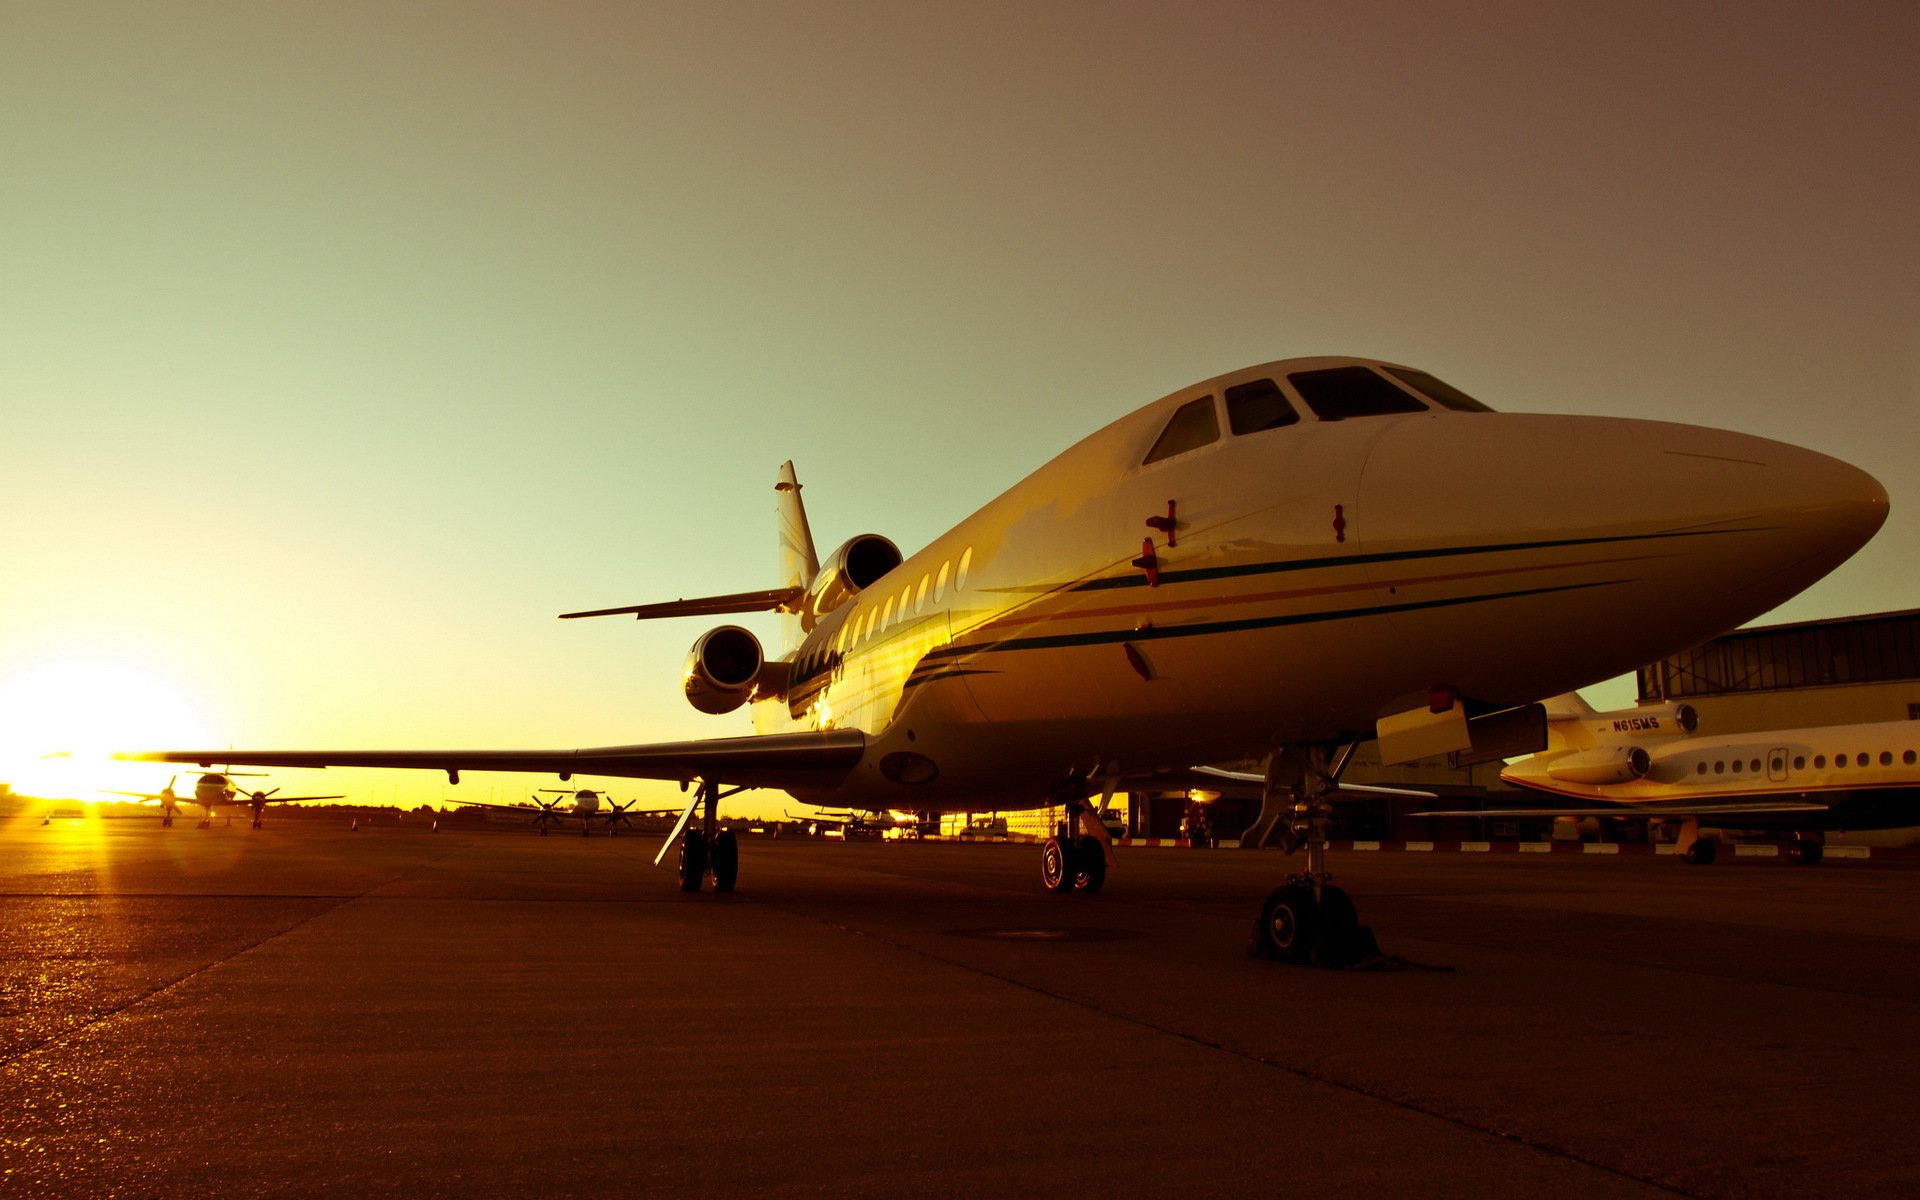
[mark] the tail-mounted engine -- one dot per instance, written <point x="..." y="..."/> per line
<point x="1651" y="722"/>
<point x="1609" y="764"/>
<point x="857" y="565"/>
<point x="726" y="668"/>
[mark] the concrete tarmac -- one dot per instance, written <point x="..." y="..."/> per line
<point x="306" y="1011"/>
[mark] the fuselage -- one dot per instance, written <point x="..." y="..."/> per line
<point x="1288" y="553"/>
<point x="1865" y="776"/>
<point x="211" y="790"/>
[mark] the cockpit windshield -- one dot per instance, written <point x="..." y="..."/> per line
<point x="1338" y="393"/>
<point x="1193" y="426"/>
<point x="1444" y="394"/>
<point x="1256" y="405"/>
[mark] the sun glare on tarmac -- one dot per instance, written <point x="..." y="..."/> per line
<point x="62" y="719"/>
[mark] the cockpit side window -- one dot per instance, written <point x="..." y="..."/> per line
<point x="1338" y="393"/>
<point x="1445" y="393"/>
<point x="1258" y="405"/>
<point x="1193" y="426"/>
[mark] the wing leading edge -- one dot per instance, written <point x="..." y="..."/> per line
<point x="787" y="760"/>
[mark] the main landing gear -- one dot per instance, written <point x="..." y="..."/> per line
<point x="1307" y="919"/>
<point x="707" y="850"/>
<point x="1076" y="862"/>
<point x="1807" y="848"/>
<point x="1691" y="847"/>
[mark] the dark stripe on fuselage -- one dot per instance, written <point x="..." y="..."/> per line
<point x="1205" y="629"/>
<point x="1197" y="574"/>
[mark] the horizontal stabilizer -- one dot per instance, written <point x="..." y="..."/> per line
<point x="771" y="600"/>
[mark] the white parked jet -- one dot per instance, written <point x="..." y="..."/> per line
<point x="1272" y="564"/>
<point x="853" y="824"/>
<point x="1654" y="762"/>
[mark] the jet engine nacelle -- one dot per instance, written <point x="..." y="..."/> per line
<point x="1610" y="764"/>
<point x="1651" y="721"/>
<point x="722" y="669"/>
<point x="857" y="565"/>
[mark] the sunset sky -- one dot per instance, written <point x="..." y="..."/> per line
<point x="344" y="346"/>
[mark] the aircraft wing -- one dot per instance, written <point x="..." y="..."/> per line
<point x="1249" y="783"/>
<point x="785" y="761"/>
<point x="297" y="799"/>
<point x="1650" y="810"/>
<point x="532" y="814"/>
<point x="148" y="797"/>
<point x="704" y="606"/>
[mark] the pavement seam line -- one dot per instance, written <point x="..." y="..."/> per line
<point x="339" y="902"/>
<point x="1305" y="1073"/>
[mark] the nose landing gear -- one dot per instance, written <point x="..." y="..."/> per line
<point x="1307" y="919"/>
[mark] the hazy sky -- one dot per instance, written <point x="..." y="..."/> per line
<point x="343" y="346"/>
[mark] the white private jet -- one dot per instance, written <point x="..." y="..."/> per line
<point x="853" y="823"/>
<point x="585" y="807"/>
<point x="1652" y="762"/>
<point x="1273" y="564"/>
<point x="212" y="789"/>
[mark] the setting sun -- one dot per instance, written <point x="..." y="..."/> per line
<point x="61" y="718"/>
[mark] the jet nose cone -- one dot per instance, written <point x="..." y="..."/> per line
<point x="1810" y="511"/>
<point x="1598" y="544"/>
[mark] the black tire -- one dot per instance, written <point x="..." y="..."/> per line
<point x="1702" y="853"/>
<point x="1804" y="853"/>
<point x="1057" y="865"/>
<point x="1090" y="862"/>
<point x="693" y="860"/>
<point x="1339" y="920"/>
<point x="1288" y="924"/>
<point x="726" y="861"/>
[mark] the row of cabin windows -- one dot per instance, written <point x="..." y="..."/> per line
<point x="1819" y="762"/>
<point x="1333" y="394"/>
<point x="912" y="600"/>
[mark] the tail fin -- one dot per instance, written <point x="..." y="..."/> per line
<point x="1569" y="706"/>
<point x="799" y="562"/>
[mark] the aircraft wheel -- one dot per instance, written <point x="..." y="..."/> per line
<point x="1702" y="852"/>
<point x="693" y="860"/>
<point x="584" y="831"/>
<point x="1803" y="852"/>
<point x="1057" y="866"/>
<point x="1287" y="924"/>
<point x="1091" y="865"/>
<point x="543" y="831"/>
<point x="726" y="861"/>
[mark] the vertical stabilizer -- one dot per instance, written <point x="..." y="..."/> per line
<point x="799" y="562"/>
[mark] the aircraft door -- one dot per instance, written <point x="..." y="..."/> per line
<point x="1777" y="764"/>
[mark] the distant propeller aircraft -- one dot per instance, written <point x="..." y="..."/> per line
<point x="585" y="808"/>
<point x="1271" y="565"/>
<point x="212" y="789"/>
